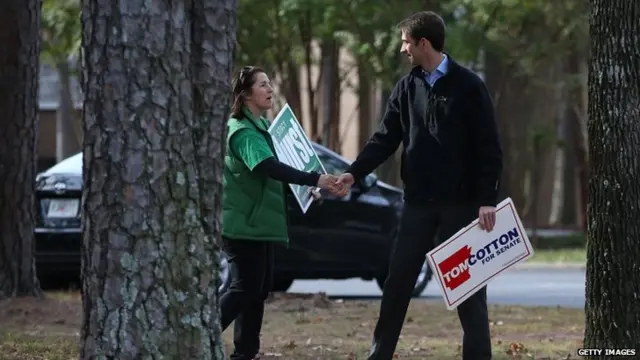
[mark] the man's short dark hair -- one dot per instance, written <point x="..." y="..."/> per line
<point x="425" y="24"/>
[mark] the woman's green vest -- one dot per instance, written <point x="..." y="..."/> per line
<point x="253" y="205"/>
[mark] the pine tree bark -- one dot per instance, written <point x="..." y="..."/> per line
<point x="156" y="82"/>
<point x="613" y="255"/>
<point x="19" y="71"/>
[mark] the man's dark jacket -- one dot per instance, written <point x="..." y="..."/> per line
<point x="451" y="148"/>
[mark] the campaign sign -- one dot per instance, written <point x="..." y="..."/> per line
<point x="294" y="149"/>
<point x="472" y="257"/>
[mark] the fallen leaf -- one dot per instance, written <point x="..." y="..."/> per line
<point x="321" y="300"/>
<point x="290" y="345"/>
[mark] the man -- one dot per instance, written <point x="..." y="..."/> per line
<point x="451" y="162"/>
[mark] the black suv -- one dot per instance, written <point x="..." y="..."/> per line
<point x="338" y="238"/>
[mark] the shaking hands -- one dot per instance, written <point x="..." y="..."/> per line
<point x="336" y="185"/>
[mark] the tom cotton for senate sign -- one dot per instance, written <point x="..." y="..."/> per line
<point x="294" y="149"/>
<point x="472" y="257"/>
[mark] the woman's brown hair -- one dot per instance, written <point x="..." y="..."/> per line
<point x="242" y="84"/>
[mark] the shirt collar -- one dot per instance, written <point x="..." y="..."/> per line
<point x="442" y="68"/>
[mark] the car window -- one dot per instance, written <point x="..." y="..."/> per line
<point x="332" y="165"/>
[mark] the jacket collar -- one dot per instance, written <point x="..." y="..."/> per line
<point x="260" y="122"/>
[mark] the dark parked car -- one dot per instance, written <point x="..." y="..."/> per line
<point x="338" y="238"/>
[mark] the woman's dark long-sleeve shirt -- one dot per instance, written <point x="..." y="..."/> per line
<point x="285" y="173"/>
<point x="253" y="149"/>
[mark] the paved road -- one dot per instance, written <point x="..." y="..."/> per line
<point x="524" y="286"/>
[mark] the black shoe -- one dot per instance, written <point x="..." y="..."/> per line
<point x="236" y="356"/>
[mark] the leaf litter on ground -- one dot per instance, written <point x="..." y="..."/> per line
<point x="316" y="327"/>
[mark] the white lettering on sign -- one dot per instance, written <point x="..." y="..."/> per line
<point x="288" y="147"/>
<point x="293" y="148"/>
<point x="305" y="146"/>
<point x="456" y="271"/>
<point x="295" y="141"/>
<point x="283" y="154"/>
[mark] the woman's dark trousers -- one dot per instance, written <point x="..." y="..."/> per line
<point x="251" y="272"/>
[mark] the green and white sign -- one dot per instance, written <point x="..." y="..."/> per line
<point x="294" y="149"/>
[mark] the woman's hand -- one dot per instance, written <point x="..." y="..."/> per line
<point x="316" y="194"/>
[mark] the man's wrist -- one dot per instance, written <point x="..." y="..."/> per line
<point x="354" y="173"/>
<point x="488" y="202"/>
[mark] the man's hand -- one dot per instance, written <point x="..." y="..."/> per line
<point x="331" y="183"/>
<point x="487" y="217"/>
<point x="345" y="180"/>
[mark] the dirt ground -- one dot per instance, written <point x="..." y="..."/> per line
<point x="306" y="327"/>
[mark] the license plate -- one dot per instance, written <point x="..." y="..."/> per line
<point x="63" y="208"/>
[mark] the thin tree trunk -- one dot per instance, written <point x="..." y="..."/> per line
<point x="67" y="140"/>
<point x="570" y="214"/>
<point x="157" y="96"/>
<point x="364" y="103"/>
<point x="613" y="255"/>
<point x="336" y="94"/>
<point x="560" y="160"/>
<point x="389" y="170"/>
<point x="294" y="94"/>
<point x="306" y="36"/>
<point x="579" y="134"/>
<point x="19" y="72"/>
<point x="329" y="86"/>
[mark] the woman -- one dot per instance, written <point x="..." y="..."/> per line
<point x="254" y="208"/>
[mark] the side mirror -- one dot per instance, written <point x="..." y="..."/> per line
<point x="365" y="184"/>
<point x="369" y="181"/>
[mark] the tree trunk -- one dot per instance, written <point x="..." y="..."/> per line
<point x="365" y="123"/>
<point x="613" y="255"/>
<point x="156" y="85"/>
<point x="389" y="170"/>
<point x="306" y="37"/>
<point x="294" y="93"/>
<point x="330" y="94"/>
<point x="19" y="71"/>
<point x="67" y="140"/>
<point x="327" y="78"/>
<point x="336" y="94"/>
<point x="571" y="202"/>
<point x="558" y="195"/>
<point x="578" y="126"/>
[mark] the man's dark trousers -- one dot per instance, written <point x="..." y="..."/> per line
<point x="419" y="226"/>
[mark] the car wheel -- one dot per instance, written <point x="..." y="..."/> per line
<point x="281" y="284"/>
<point x="421" y="282"/>
<point x="225" y="279"/>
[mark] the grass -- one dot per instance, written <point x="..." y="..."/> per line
<point x="572" y="256"/>
<point x="306" y="327"/>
